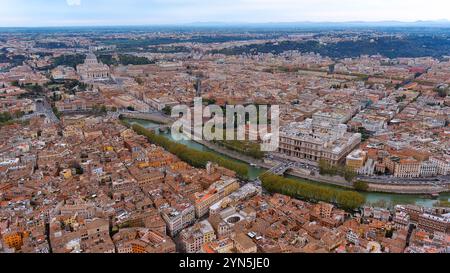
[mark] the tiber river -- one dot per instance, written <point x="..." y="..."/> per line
<point x="380" y="199"/>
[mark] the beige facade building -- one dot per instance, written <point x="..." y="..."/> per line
<point x="126" y="101"/>
<point x="306" y="141"/>
<point x="244" y="244"/>
<point x="442" y="163"/>
<point x="433" y="223"/>
<point x="403" y="167"/>
<point x="193" y="238"/>
<point x="356" y="159"/>
<point x="64" y="73"/>
<point x="204" y="200"/>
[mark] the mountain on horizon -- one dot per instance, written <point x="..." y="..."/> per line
<point x="394" y="23"/>
<point x="442" y="23"/>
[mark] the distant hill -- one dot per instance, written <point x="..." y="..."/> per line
<point x="308" y="24"/>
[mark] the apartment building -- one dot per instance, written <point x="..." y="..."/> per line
<point x="178" y="217"/>
<point x="220" y="189"/>
<point x="403" y="167"/>
<point x="442" y="163"/>
<point x="433" y="223"/>
<point x="244" y="244"/>
<point x="192" y="239"/>
<point x="428" y="169"/>
<point x="356" y="159"/>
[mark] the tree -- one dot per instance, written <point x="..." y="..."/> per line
<point x="56" y="111"/>
<point x="346" y="199"/>
<point x="78" y="169"/>
<point x="99" y="109"/>
<point x="56" y="97"/>
<point x="68" y="60"/>
<point x="350" y="200"/>
<point x="400" y="98"/>
<point x="348" y="173"/>
<point x="139" y="81"/>
<point x="389" y="233"/>
<point x="193" y="157"/>
<point x="210" y="101"/>
<point x="328" y="169"/>
<point x="5" y="117"/>
<point x="126" y="59"/>
<point x="365" y="135"/>
<point x="18" y="114"/>
<point x="442" y="92"/>
<point x="167" y="110"/>
<point x="361" y="186"/>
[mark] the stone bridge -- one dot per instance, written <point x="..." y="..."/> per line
<point x="280" y="169"/>
<point x="150" y="116"/>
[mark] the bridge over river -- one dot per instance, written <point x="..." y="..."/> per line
<point x="280" y="169"/>
<point x="153" y="116"/>
<point x="430" y="187"/>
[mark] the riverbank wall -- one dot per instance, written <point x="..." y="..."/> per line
<point x="157" y="118"/>
<point x="331" y="180"/>
<point x="305" y="174"/>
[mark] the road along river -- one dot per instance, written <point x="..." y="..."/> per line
<point x="379" y="199"/>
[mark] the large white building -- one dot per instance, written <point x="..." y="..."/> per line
<point x="160" y="103"/>
<point x="306" y="141"/>
<point x="92" y="69"/>
<point x="443" y="164"/>
<point x="333" y="118"/>
<point x="428" y="169"/>
<point x="64" y="73"/>
<point x="125" y="101"/>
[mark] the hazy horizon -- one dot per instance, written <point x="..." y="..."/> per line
<point x="76" y="13"/>
<point x="387" y="23"/>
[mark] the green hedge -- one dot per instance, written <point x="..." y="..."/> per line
<point x="348" y="200"/>
<point x="192" y="157"/>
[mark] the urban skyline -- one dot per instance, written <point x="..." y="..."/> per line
<point x="224" y="137"/>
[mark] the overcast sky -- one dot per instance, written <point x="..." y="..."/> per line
<point x="142" y="12"/>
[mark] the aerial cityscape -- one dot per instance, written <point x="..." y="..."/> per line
<point x="89" y="162"/>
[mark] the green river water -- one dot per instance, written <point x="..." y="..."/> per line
<point x="380" y="199"/>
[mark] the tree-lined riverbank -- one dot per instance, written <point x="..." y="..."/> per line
<point x="349" y="200"/>
<point x="377" y="198"/>
<point x="193" y="157"/>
